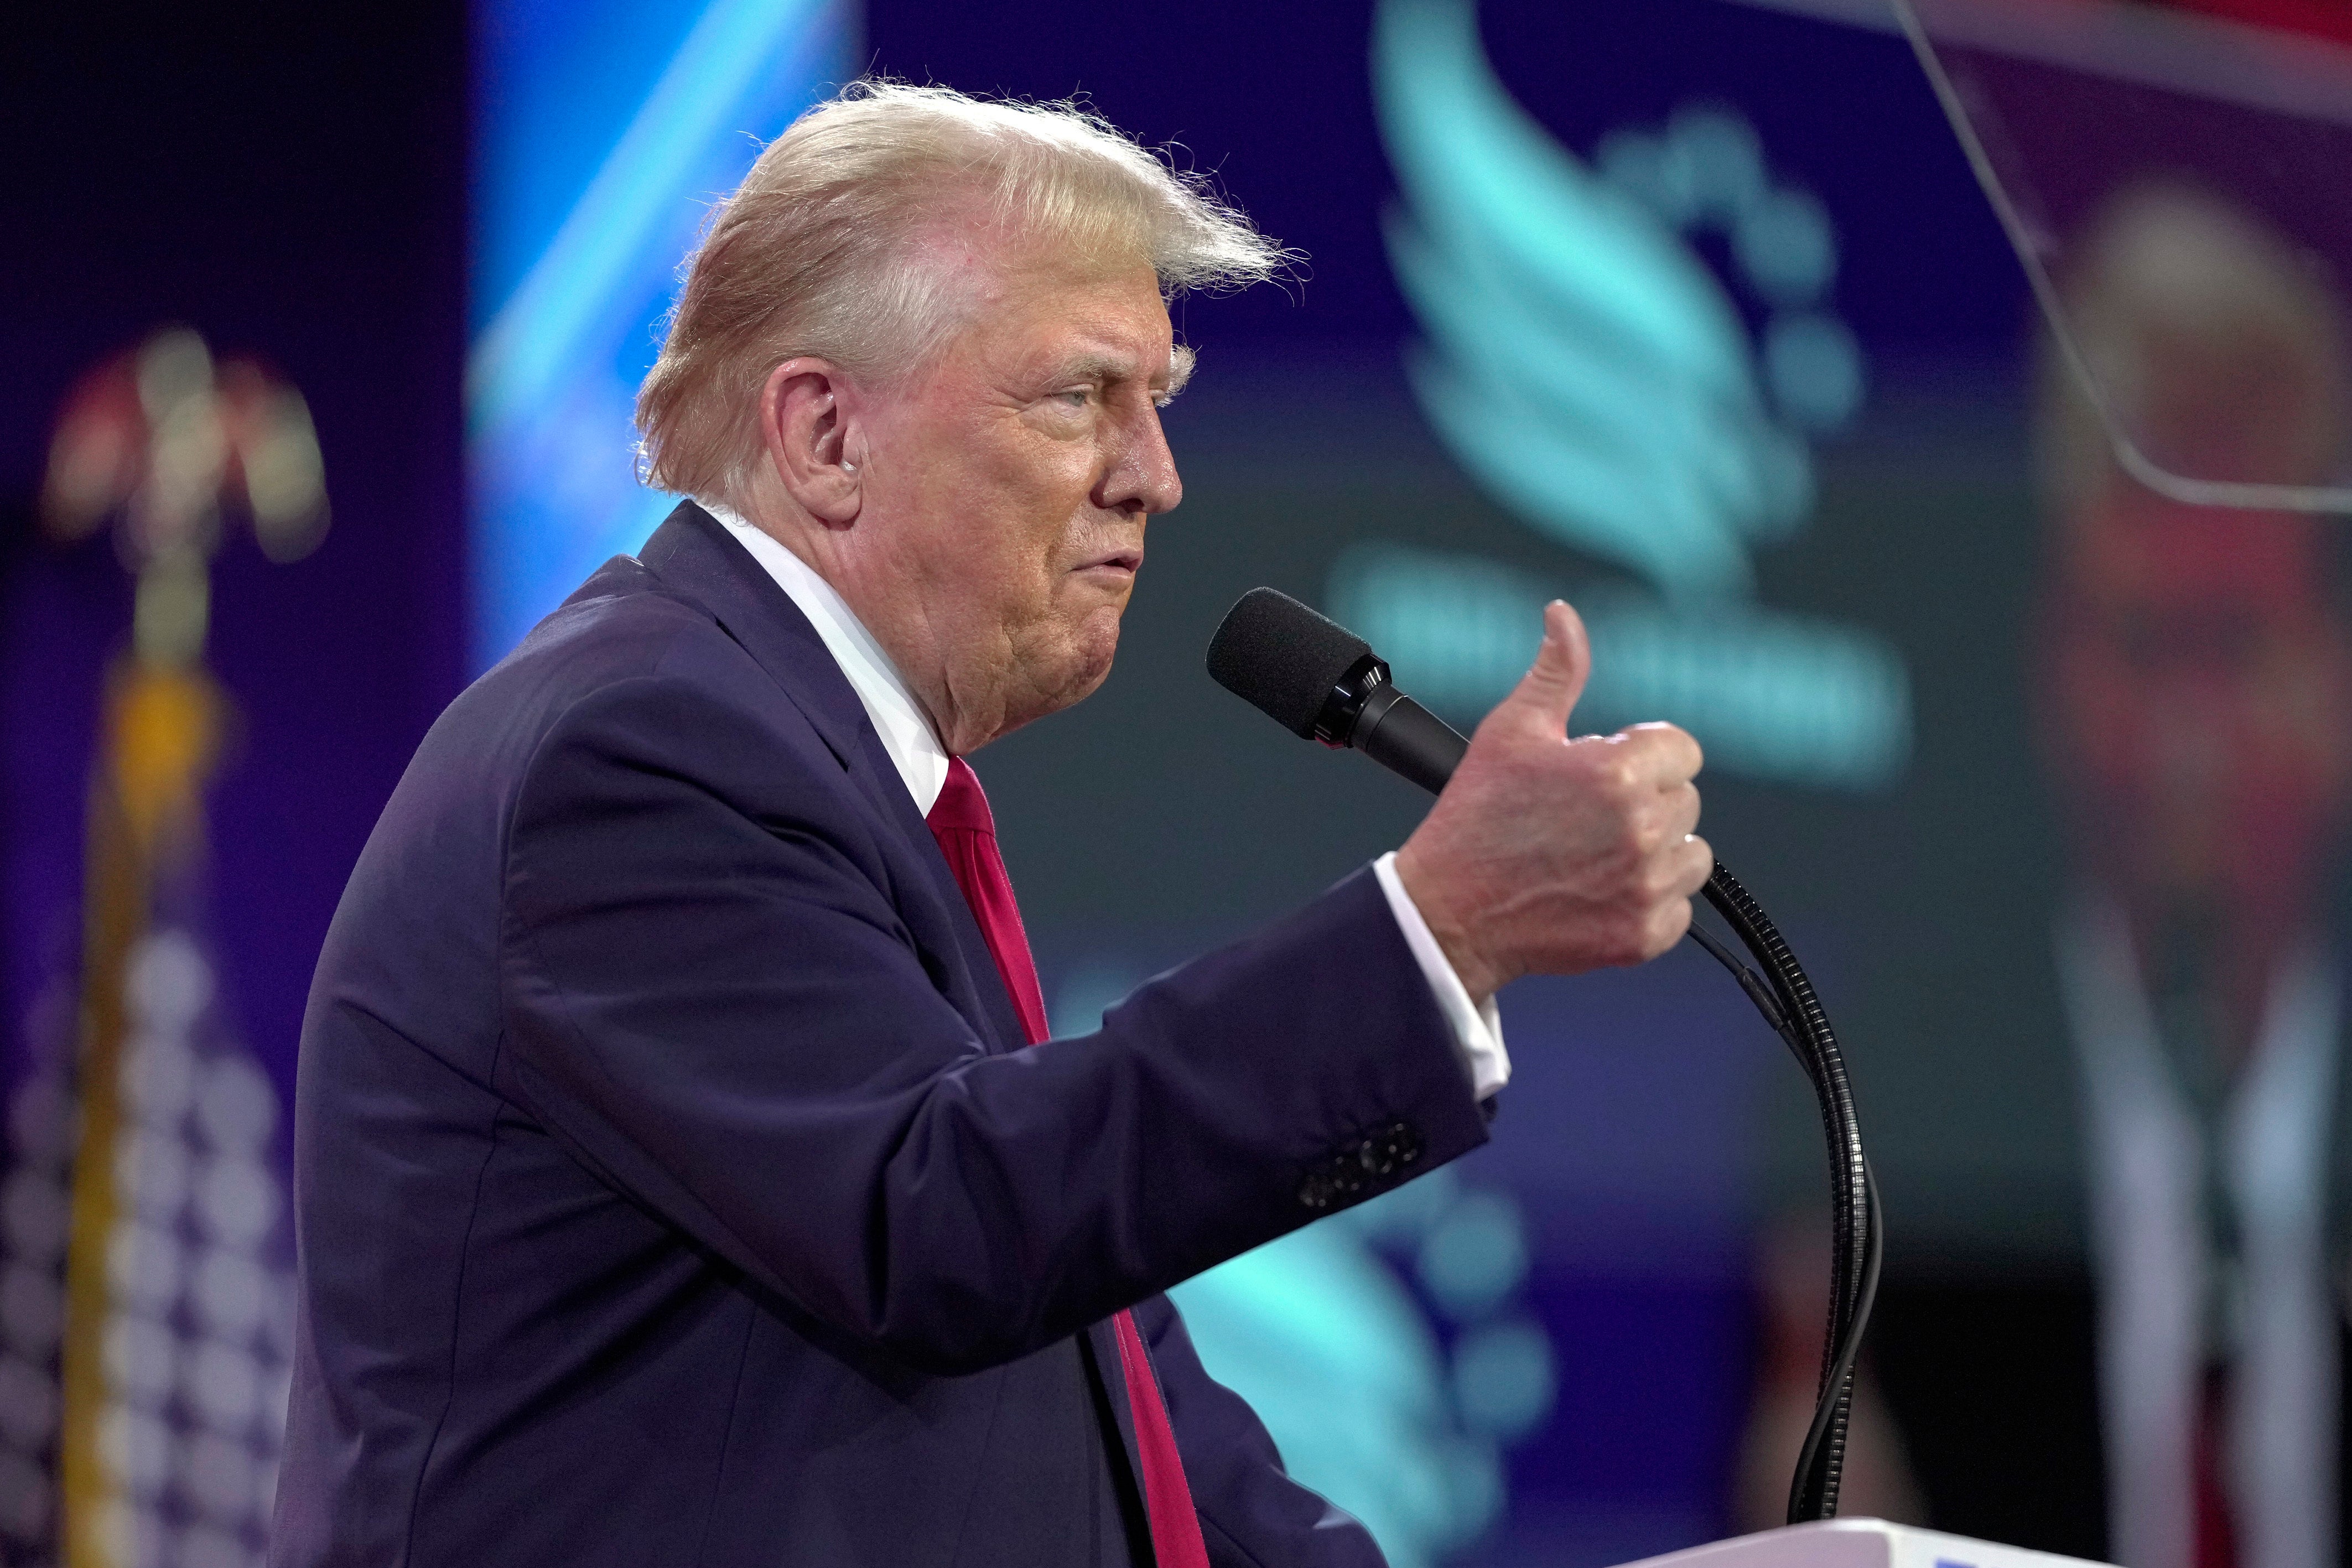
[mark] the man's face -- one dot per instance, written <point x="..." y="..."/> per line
<point x="2198" y="683"/>
<point x="1006" y="488"/>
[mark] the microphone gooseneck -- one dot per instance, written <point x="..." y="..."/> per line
<point x="1322" y="682"/>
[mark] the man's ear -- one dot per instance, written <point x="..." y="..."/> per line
<point x="806" y="427"/>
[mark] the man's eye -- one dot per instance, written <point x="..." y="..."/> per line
<point x="1077" y="397"/>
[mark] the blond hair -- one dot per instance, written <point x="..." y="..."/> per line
<point x="818" y="252"/>
<point x="2209" y="337"/>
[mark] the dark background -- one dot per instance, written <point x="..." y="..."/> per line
<point x="289" y="181"/>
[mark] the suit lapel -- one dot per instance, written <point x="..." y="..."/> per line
<point x="981" y="974"/>
<point x="1102" y="1351"/>
<point x="692" y="553"/>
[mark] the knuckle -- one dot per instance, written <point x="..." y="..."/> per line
<point x="1675" y="733"/>
<point x="1659" y="732"/>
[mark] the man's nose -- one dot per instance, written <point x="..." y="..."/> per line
<point x="1142" y="477"/>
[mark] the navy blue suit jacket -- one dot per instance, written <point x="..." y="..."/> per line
<point x="673" y="1185"/>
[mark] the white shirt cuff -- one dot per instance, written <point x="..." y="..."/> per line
<point x="1477" y="1031"/>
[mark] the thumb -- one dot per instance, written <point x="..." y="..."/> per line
<point x="1556" y="680"/>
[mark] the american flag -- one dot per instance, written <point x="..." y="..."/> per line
<point x="146" y="1289"/>
<point x="193" y="1333"/>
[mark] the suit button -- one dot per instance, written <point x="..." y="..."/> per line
<point x="1392" y="1148"/>
<point x="1362" y="1163"/>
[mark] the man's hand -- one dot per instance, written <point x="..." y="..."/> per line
<point x="1552" y="856"/>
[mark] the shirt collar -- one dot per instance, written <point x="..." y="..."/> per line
<point x="905" y="730"/>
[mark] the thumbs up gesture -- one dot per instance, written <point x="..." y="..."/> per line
<point x="1547" y="855"/>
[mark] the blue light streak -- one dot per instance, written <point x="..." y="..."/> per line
<point x="555" y="361"/>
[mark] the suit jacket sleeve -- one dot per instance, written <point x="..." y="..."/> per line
<point x="712" y="998"/>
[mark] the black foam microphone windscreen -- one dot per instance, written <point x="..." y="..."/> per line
<point x="1282" y="657"/>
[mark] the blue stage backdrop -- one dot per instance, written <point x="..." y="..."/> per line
<point x="604" y="133"/>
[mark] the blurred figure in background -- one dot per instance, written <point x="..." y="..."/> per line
<point x="2195" y="679"/>
<point x="2190" y="672"/>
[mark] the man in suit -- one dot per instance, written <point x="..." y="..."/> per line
<point x="2113" y="1322"/>
<point x="682" y="1172"/>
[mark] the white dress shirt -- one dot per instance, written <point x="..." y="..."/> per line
<point x="2147" y="1160"/>
<point x="922" y="762"/>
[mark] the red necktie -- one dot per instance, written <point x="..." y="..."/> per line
<point x="961" y="822"/>
<point x="2216" y="1537"/>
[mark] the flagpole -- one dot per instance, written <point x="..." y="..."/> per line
<point x="152" y="441"/>
<point x="161" y="737"/>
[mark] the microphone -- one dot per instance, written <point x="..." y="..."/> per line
<point x="1322" y="682"/>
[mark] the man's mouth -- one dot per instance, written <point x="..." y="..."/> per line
<point x="1126" y="561"/>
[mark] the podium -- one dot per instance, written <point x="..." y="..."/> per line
<point x="1857" y="1543"/>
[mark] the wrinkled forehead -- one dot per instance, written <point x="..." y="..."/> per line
<point x="1034" y="306"/>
